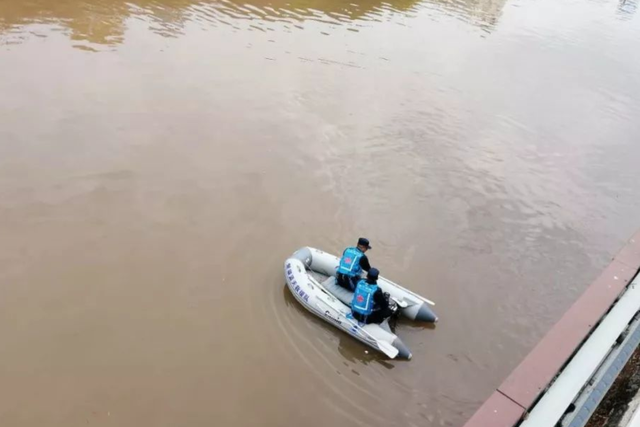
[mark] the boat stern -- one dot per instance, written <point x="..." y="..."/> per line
<point x="403" y="350"/>
<point x="425" y="314"/>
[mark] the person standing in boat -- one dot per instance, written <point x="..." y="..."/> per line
<point x="370" y="304"/>
<point x="352" y="263"/>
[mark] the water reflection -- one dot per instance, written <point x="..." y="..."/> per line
<point x="483" y="13"/>
<point x="104" y="22"/>
<point x="99" y="22"/>
<point x="627" y="8"/>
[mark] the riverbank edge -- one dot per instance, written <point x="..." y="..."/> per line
<point x="511" y="401"/>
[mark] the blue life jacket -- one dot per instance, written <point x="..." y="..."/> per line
<point x="362" y="302"/>
<point x="350" y="262"/>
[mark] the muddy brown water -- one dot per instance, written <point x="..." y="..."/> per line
<point x="160" y="159"/>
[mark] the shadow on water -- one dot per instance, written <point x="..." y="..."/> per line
<point x="353" y="351"/>
<point x="104" y="22"/>
<point x="418" y="326"/>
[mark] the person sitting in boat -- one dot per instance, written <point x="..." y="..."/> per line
<point x="370" y="304"/>
<point x="352" y="263"/>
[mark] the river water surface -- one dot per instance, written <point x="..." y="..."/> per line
<point x="160" y="159"/>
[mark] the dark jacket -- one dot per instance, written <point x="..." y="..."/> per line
<point x="380" y="301"/>
<point x="364" y="263"/>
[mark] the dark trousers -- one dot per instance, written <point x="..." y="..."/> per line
<point x="377" y="316"/>
<point x="347" y="282"/>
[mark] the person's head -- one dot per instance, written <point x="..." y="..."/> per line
<point x="363" y="244"/>
<point x="372" y="275"/>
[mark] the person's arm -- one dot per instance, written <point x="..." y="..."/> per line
<point x="380" y="300"/>
<point x="364" y="263"/>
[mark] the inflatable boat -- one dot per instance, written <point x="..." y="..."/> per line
<point x="310" y="275"/>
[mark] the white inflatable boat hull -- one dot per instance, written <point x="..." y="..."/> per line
<point x="330" y="302"/>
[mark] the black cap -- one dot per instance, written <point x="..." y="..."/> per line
<point x="373" y="273"/>
<point x="364" y="242"/>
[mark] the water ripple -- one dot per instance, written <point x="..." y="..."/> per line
<point x="105" y="21"/>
